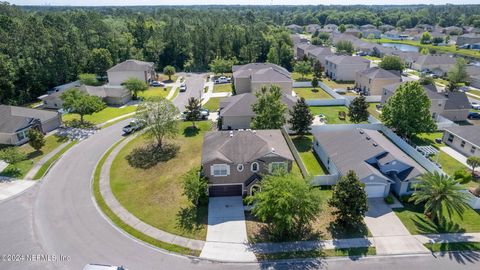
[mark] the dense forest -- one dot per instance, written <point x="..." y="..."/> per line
<point x="41" y="47"/>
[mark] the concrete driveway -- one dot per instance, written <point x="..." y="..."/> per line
<point x="227" y="233"/>
<point x="389" y="234"/>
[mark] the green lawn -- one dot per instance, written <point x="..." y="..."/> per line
<point x="475" y="92"/>
<point x="309" y="158"/>
<point x="164" y="78"/>
<point x="372" y="109"/>
<point x="298" y="77"/>
<point x="51" y="142"/>
<point x="155" y="92"/>
<point x="372" y="58"/>
<point x="154" y="195"/>
<point x="413" y="218"/>
<point x="310" y="93"/>
<point x="318" y="253"/>
<point x="43" y="169"/>
<point x="331" y="112"/>
<point x="460" y="246"/>
<point x="335" y="85"/>
<point x="218" y="88"/>
<point x="213" y="104"/>
<point x="102" y="116"/>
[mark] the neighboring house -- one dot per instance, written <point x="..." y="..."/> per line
<point x="52" y="100"/>
<point x="119" y="73"/>
<point x="110" y="94"/>
<point x="471" y="30"/>
<point x="453" y="30"/>
<point x="330" y="27"/>
<point x="371" y="81"/>
<point x="236" y="111"/>
<point x="395" y="35"/>
<point x="312" y="28"/>
<point x="375" y="33"/>
<point x="407" y="57"/>
<point x="303" y="49"/>
<point x="426" y="27"/>
<point x="250" y="78"/>
<point x="295" y="28"/>
<point x="453" y="105"/>
<point x="320" y="53"/>
<point x="413" y="31"/>
<point x="471" y="38"/>
<point x="464" y="139"/>
<point x="367" y="27"/>
<point x="344" y="67"/>
<point x="386" y="27"/>
<point x="377" y="162"/>
<point x="234" y="161"/>
<point x="16" y="121"/>
<point x="353" y="32"/>
<point x="440" y="64"/>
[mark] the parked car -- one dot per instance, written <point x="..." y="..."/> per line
<point x="464" y="89"/>
<point x="156" y="84"/>
<point x="474" y="116"/>
<point x="135" y="125"/>
<point x="93" y="266"/>
<point x="475" y="105"/>
<point x="222" y="79"/>
<point x="204" y="113"/>
<point x="183" y="87"/>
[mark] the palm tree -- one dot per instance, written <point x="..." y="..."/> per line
<point x="193" y="109"/>
<point x="440" y="193"/>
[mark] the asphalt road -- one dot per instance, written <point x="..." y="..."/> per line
<point x="195" y="84"/>
<point x="58" y="217"/>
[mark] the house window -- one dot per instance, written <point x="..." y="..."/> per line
<point x="240" y="167"/>
<point x="278" y="166"/>
<point x="450" y="137"/>
<point x="473" y="150"/>
<point x="254" y="167"/>
<point x="22" y="135"/>
<point x="462" y="144"/>
<point x="220" y="170"/>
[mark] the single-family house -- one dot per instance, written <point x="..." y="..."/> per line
<point x="15" y="122"/>
<point x="367" y="27"/>
<point x="294" y="28"/>
<point x="371" y="81"/>
<point x="319" y="53"/>
<point x="250" y="78"/>
<point x="386" y="27"/>
<point x="330" y="27"/>
<point x="394" y="35"/>
<point x="371" y="33"/>
<point x="438" y="63"/>
<point x="119" y="73"/>
<point x="471" y="38"/>
<point x="352" y="32"/>
<point x="113" y="95"/>
<point x="236" y="111"/>
<point x="301" y="50"/>
<point x="464" y="139"/>
<point x="344" y="67"/>
<point x="453" y="30"/>
<point x="234" y="161"/>
<point x="426" y="27"/>
<point x="312" y="28"/>
<point x="377" y="162"/>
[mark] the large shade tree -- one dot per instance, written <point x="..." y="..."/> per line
<point x="358" y="110"/>
<point x="301" y="118"/>
<point x="81" y="103"/>
<point x="269" y="109"/>
<point x="135" y="85"/>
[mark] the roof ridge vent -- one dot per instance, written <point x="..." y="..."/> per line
<point x="273" y="150"/>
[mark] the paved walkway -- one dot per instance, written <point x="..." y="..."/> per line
<point x="389" y="234"/>
<point x="448" y="237"/>
<point x="129" y="218"/>
<point x="31" y="174"/>
<point x="456" y="155"/>
<point x="227" y="232"/>
<point x="10" y="188"/>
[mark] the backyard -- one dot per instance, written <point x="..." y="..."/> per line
<point x="331" y="113"/>
<point x="372" y="109"/>
<point x="309" y="158"/>
<point x="154" y="195"/>
<point x="102" y="116"/>
<point x="335" y="85"/>
<point x="219" y="88"/>
<point x="299" y="78"/>
<point x="310" y="93"/>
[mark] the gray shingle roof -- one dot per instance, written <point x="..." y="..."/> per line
<point x="352" y="150"/>
<point x="243" y="146"/>
<point x="104" y="90"/>
<point x="131" y="65"/>
<point x="347" y="59"/>
<point x="262" y="72"/>
<point x="241" y="105"/>
<point x="468" y="133"/>
<point x="17" y="118"/>
<point x="457" y="101"/>
<point x="435" y="60"/>
<point x="380" y="73"/>
<point x="431" y="90"/>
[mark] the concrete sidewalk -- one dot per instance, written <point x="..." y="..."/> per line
<point x="10" y="188"/>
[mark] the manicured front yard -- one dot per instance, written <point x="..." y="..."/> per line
<point x="154" y="195"/>
<point x="460" y="246"/>
<point x="372" y="109"/>
<point x="413" y="218"/>
<point x="310" y="93"/>
<point x="51" y="142"/>
<point x="318" y="253"/>
<point x="331" y="113"/>
<point x="102" y="116"/>
<point x="213" y="104"/>
<point x="309" y="158"/>
<point x="218" y="88"/>
<point x="155" y="92"/>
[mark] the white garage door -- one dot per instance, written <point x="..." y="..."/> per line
<point x="375" y="191"/>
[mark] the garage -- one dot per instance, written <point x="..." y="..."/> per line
<point x="375" y="191"/>
<point x="225" y="190"/>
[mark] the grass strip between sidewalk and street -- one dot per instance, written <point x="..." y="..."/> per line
<point x="44" y="168"/>
<point x="122" y="225"/>
<point x="459" y="246"/>
<point x="318" y="253"/>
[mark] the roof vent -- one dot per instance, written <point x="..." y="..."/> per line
<point x="273" y="150"/>
<point x="368" y="137"/>
<point x="361" y="131"/>
<point x="375" y="144"/>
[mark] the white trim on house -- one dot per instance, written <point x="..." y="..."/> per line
<point x="257" y="165"/>
<point x="452" y="133"/>
<point x="240" y="167"/>
<point x="224" y="170"/>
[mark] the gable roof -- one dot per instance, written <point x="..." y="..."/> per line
<point x="457" y="101"/>
<point x="132" y="65"/>
<point x="104" y="90"/>
<point x="242" y="146"/>
<point x="262" y="72"/>
<point x="430" y="90"/>
<point x="17" y="118"/>
<point x="435" y="60"/>
<point x="347" y="59"/>
<point x="468" y="133"/>
<point x="241" y="105"/>
<point x="380" y="73"/>
<point x="367" y="152"/>
<point x="319" y="50"/>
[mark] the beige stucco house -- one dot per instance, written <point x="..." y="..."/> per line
<point x="15" y="122"/>
<point x="372" y="80"/>
<point x="344" y="67"/>
<point x="250" y="78"/>
<point x="464" y="139"/>
<point x="234" y="161"/>
<point x="144" y="71"/>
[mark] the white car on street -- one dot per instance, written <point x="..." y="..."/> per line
<point x="475" y="105"/>
<point x="222" y="79"/>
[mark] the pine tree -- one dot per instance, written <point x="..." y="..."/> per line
<point x="358" y="110"/>
<point x="300" y="118"/>
<point x="269" y="109"/>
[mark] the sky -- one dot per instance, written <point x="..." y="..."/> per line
<point x="233" y="2"/>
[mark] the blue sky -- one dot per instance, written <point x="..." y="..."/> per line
<point x="234" y="2"/>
